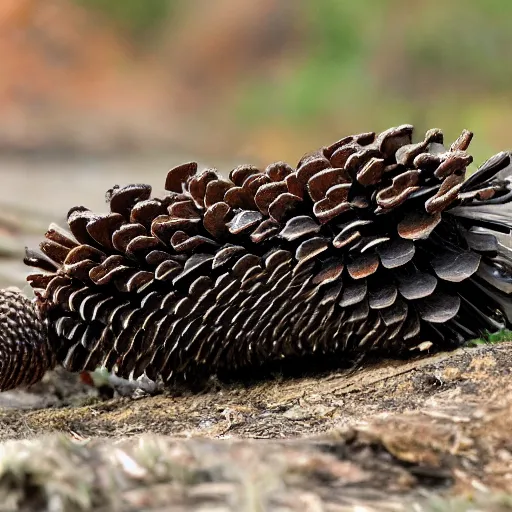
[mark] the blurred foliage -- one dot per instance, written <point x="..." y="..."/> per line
<point x="438" y="46"/>
<point x="479" y="37"/>
<point x="278" y="75"/>
<point x="140" y="17"/>
<point x="446" y="47"/>
<point x="334" y="55"/>
<point x="375" y="64"/>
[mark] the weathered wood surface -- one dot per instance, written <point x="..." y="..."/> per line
<point x="428" y="433"/>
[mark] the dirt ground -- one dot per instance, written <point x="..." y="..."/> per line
<point x="429" y="434"/>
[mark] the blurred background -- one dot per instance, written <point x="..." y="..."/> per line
<point x="98" y="92"/>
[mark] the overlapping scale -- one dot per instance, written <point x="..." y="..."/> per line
<point x="25" y="351"/>
<point x="373" y="243"/>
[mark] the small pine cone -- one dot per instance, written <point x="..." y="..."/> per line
<point x="24" y="351"/>
<point x="372" y="244"/>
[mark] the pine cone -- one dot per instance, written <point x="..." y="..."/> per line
<point x="372" y="244"/>
<point x="24" y="351"/>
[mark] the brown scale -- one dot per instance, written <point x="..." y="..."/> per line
<point x="373" y="244"/>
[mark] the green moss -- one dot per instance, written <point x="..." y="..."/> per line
<point x="492" y="338"/>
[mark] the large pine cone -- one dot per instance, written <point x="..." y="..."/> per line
<point x="372" y="244"/>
